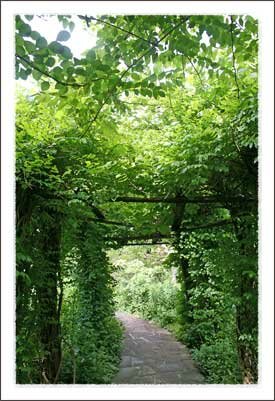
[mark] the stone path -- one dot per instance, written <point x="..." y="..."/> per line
<point x="151" y="355"/>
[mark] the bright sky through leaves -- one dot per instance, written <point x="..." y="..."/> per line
<point x="81" y="38"/>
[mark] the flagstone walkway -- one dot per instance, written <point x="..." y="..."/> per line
<point x="151" y="355"/>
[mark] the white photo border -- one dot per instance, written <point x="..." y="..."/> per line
<point x="264" y="12"/>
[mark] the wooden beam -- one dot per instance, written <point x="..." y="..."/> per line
<point x="110" y="222"/>
<point x="137" y="199"/>
<point x="157" y="236"/>
<point x="182" y="199"/>
<point x="152" y="236"/>
<point x="147" y="243"/>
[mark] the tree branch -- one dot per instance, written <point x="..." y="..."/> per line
<point x="193" y="65"/>
<point x="89" y="19"/>
<point x="74" y="84"/>
<point x="233" y="57"/>
<point x="172" y="108"/>
<point x="135" y="62"/>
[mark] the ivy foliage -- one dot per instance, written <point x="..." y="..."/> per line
<point x="149" y="135"/>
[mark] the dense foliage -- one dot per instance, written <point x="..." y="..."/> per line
<point x="151" y="134"/>
<point x="222" y="315"/>
<point x="144" y="286"/>
<point x="66" y="331"/>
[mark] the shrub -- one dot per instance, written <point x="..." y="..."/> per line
<point x="219" y="362"/>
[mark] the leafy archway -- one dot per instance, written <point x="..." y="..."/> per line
<point x="146" y="137"/>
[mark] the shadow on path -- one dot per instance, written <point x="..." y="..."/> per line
<point x="151" y="355"/>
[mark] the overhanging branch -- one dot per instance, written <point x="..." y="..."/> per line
<point x="134" y="63"/>
<point x="73" y="84"/>
<point x="233" y="57"/>
<point x="89" y="19"/>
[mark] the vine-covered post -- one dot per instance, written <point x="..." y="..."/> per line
<point x="182" y="261"/>
<point x="48" y="299"/>
<point x="247" y="295"/>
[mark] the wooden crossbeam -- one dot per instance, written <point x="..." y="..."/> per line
<point x="182" y="199"/>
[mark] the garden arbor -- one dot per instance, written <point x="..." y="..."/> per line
<point x="145" y="137"/>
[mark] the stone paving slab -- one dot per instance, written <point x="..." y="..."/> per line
<point x="151" y="355"/>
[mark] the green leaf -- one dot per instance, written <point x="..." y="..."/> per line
<point x="62" y="89"/>
<point x="135" y="76"/>
<point x="25" y="29"/>
<point x="43" y="52"/>
<point x="38" y="60"/>
<point x="58" y="73"/>
<point x="45" y="85"/>
<point x="66" y="52"/>
<point x="66" y="64"/>
<point x="155" y="93"/>
<point x="70" y="70"/>
<point x="28" y="17"/>
<point x="20" y="51"/>
<point x="50" y="62"/>
<point x="41" y="43"/>
<point x="63" y="36"/>
<point x="71" y="26"/>
<point x="58" y="86"/>
<point x="19" y="40"/>
<point x="91" y="55"/>
<point x="36" y="75"/>
<point x="30" y="46"/>
<point x="35" y="35"/>
<point x="23" y="74"/>
<point x="146" y="92"/>
<point x="80" y="71"/>
<point x="55" y="47"/>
